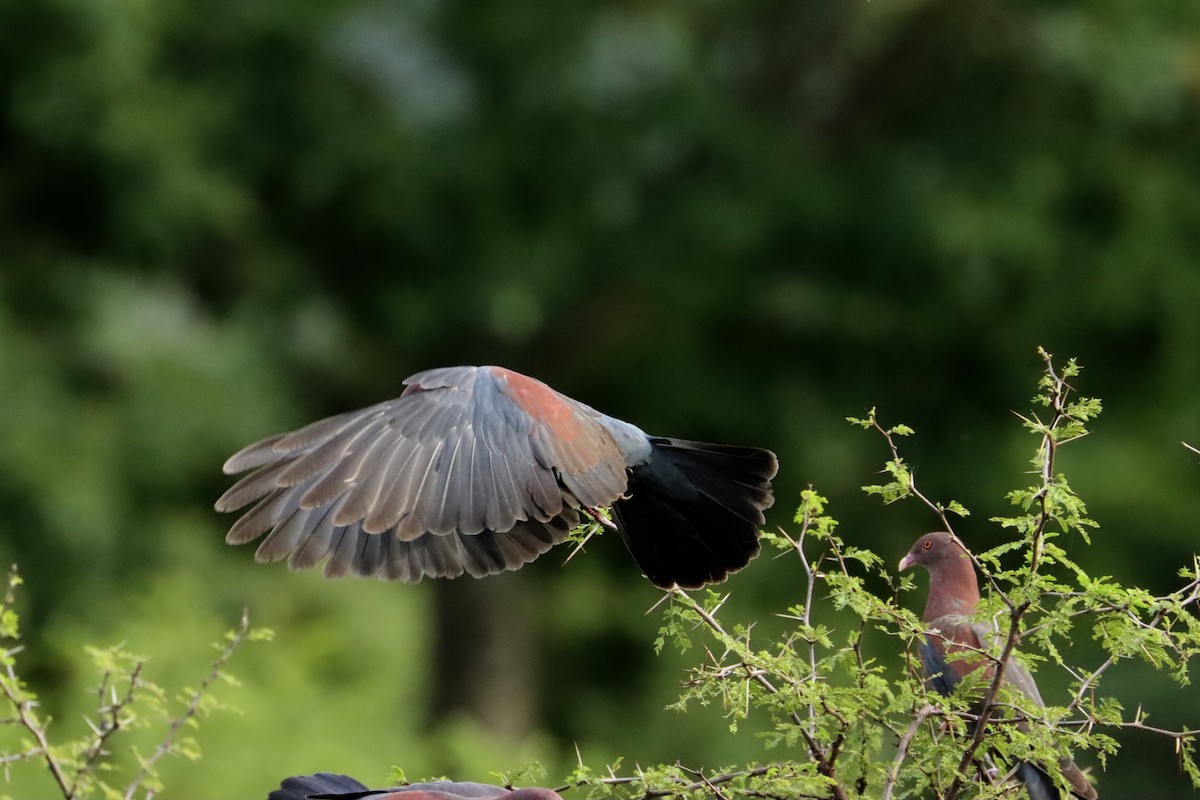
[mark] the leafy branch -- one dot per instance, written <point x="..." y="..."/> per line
<point x="1055" y="502"/>
<point x="844" y="724"/>
<point x="195" y="705"/>
<point x="126" y="700"/>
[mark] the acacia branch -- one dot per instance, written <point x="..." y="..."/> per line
<point x="988" y="705"/>
<point x="193" y="706"/>
<point x="912" y="481"/>
<point x="30" y="722"/>
<point x="1138" y="725"/>
<point x="25" y="755"/>
<point x="810" y="578"/>
<point x="825" y="762"/>
<point x="1187" y="594"/>
<point x="1049" y="448"/>
<point x="110" y="724"/>
<point x="893" y="774"/>
<point x="937" y="509"/>
<point x="702" y="782"/>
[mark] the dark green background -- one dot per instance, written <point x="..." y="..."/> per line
<point x="729" y="220"/>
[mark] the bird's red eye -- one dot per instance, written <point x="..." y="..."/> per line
<point x="928" y="543"/>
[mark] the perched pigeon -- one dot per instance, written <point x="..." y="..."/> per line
<point x="950" y="610"/>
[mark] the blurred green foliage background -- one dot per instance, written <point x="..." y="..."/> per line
<point x="737" y="221"/>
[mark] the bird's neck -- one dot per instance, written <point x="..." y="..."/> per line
<point x="953" y="590"/>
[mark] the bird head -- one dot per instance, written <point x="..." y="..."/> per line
<point x="933" y="550"/>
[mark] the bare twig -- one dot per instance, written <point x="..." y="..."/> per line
<point x="24" y="755"/>
<point x="912" y="481"/>
<point x="1138" y="725"/>
<point x="893" y="774"/>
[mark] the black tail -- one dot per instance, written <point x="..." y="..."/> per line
<point x="692" y="511"/>
<point x="1040" y="786"/>
<point x="323" y="784"/>
<point x="1037" y="783"/>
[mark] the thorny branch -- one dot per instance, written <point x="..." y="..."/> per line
<point x="111" y="721"/>
<point x="810" y="580"/>
<point x="1016" y="611"/>
<point x="1059" y="391"/>
<point x="28" y="719"/>
<point x="193" y="707"/>
<point x="702" y="781"/>
<point x="825" y="760"/>
<point x="987" y="708"/>
<point x="22" y="704"/>
<point x="820" y="724"/>
<point x="1187" y="595"/>
<point x="937" y="508"/>
<point x="74" y="765"/>
<point x="889" y="783"/>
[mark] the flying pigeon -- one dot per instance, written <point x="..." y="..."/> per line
<point x="478" y="470"/>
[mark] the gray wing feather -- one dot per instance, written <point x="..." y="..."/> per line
<point x="286" y="526"/>
<point x="1015" y="672"/>
<point x="260" y="519"/>
<point x="326" y="455"/>
<point x="318" y="542"/>
<point x="374" y="483"/>
<point x="390" y="507"/>
<point x="371" y="554"/>
<point x="421" y="490"/>
<point x="453" y="477"/>
<point x="251" y="487"/>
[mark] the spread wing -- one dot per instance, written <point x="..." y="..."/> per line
<point x="471" y="469"/>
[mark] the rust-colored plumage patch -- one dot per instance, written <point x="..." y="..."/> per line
<point x="546" y="406"/>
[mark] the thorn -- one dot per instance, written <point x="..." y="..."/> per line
<point x="579" y="547"/>
<point x="666" y="595"/>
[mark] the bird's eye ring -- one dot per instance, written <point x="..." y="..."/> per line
<point x="928" y="543"/>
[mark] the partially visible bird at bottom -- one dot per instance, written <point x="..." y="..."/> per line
<point x="329" y="786"/>
<point x="950" y="610"/>
<point x="478" y="470"/>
